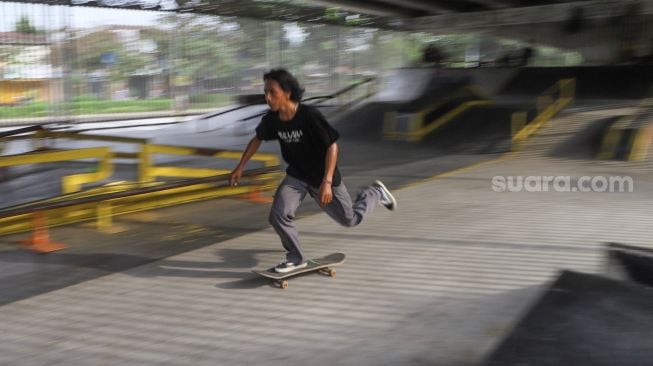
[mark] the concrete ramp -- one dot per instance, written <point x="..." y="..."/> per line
<point x="404" y="85"/>
<point x="583" y="320"/>
<point x="405" y="90"/>
<point x="412" y="91"/>
<point x="478" y="130"/>
<point x="408" y="84"/>
<point x="630" y="263"/>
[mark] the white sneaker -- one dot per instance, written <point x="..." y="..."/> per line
<point x="387" y="199"/>
<point x="286" y="267"/>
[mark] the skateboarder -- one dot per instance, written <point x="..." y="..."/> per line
<point x="308" y="145"/>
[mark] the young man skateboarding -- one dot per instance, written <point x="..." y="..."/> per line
<point x="308" y="145"/>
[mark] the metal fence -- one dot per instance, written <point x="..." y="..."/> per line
<point x="58" y="62"/>
<point x="64" y="62"/>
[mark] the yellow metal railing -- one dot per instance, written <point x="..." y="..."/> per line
<point x="421" y="129"/>
<point x="103" y="206"/>
<point x="641" y="143"/>
<point x="417" y="126"/>
<point x="548" y="105"/>
<point x="609" y="143"/>
<point x="149" y="172"/>
<point x="70" y="183"/>
<point x="615" y="143"/>
<point x="158" y="194"/>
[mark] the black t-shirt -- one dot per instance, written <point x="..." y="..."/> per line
<point x="304" y="141"/>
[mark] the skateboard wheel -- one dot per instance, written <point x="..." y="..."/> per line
<point x="283" y="284"/>
<point x="332" y="272"/>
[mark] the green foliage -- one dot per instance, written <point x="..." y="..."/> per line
<point x="120" y="106"/>
<point x="34" y="109"/>
<point x="92" y="46"/>
<point x="84" y="98"/>
<point x="202" y="47"/>
<point x="198" y="55"/>
<point x="88" y="105"/>
<point x="23" y="25"/>
<point x="210" y="99"/>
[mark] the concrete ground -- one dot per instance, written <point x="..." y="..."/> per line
<point x="439" y="281"/>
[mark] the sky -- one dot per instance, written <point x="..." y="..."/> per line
<point x="53" y="17"/>
<point x="56" y="17"/>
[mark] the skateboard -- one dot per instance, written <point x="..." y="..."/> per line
<point x="322" y="265"/>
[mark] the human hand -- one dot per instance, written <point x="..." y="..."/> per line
<point x="235" y="176"/>
<point x="326" y="194"/>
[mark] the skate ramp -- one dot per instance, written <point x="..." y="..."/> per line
<point x="630" y="263"/>
<point x="584" y="143"/>
<point x="583" y="320"/>
<point x="478" y="130"/>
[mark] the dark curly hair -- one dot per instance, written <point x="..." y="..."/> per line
<point x="287" y="82"/>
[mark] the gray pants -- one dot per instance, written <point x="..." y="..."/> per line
<point x="291" y="193"/>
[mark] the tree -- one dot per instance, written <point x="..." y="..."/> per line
<point x="24" y="26"/>
<point x="91" y="47"/>
<point x="202" y="48"/>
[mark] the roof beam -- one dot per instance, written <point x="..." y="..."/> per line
<point x="596" y="9"/>
<point x="431" y="7"/>
<point x="368" y="8"/>
<point x="492" y="4"/>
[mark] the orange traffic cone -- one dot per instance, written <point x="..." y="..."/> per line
<point x="40" y="240"/>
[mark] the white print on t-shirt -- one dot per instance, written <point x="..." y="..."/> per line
<point x="290" y="136"/>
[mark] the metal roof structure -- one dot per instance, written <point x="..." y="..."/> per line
<point x="385" y="14"/>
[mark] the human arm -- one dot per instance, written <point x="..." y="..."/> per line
<point x="326" y="194"/>
<point x="252" y="148"/>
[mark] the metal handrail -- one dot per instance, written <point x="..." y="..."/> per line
<point x="21" y="131"/>
<point x="44" y="204"/>
<point x="70" y="183"/>
<point x="547" y="107"/>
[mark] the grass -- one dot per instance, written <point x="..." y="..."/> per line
<point x="85" y="105"/>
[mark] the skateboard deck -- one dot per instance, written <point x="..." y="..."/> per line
<point x="323" y="265"/>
